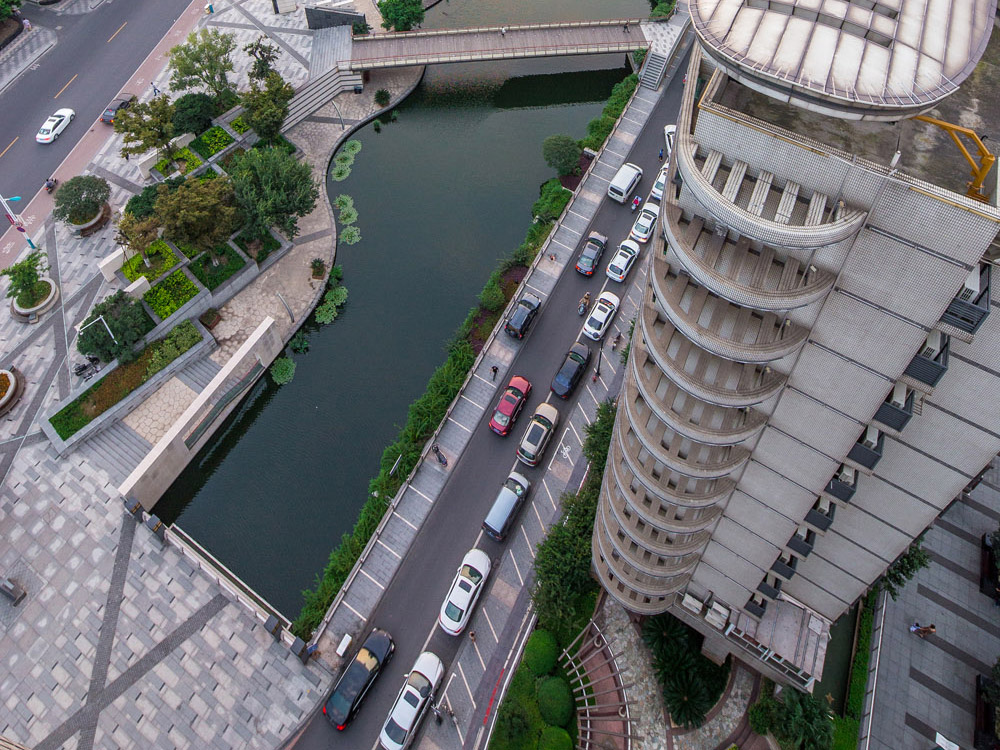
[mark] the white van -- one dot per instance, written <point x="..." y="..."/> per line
<point x="624" y="182"/>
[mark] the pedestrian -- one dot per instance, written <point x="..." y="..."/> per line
<point x="926" y="631"/>
<point x="625" y="28"/>
<point x="915" y="627"/>
<point x="503" y="31"/>
<point x="472" y="636"/>
<point x="661" y="154"/>
<point x="27" y="25"/>
<point x="494" y="370"/>
<point x="126" y="156"/>
<point x="156" y="91"/>
<point x="552" y="256"/>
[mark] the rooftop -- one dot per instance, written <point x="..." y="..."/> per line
<point x="870" y="59"/>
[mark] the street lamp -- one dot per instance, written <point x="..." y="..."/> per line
<point x="106" y="326"/>
<point x="600" y="349"/>
<point x="15" y="219"/>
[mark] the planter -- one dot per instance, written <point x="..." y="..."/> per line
<point x="88" y="228"/>
<point x="210" y="318"/>
<point x="30" y="314"/>
<point x="988" y="574"/>
<point x="14" y="390"/>
<point x="985" y="737"/>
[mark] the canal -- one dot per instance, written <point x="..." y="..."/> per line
<point x="442" y="193"/>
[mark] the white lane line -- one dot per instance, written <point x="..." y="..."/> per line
<point x="516" y="568"/>
<point x="363" y="618"/>
<point x="637" y="122"/>
<point x="490" y="623"/>
<point x="371" y="578"/>
<point x="584" y="413"/>
<point x="468" y="689"/>
<point x="461" y="737"/>
<point x="609" y="151"/>
<point x="608" y="364"/>
<point x="405" y="521"/>
<point x="586" y="218"/>
<point x="547" y="492"/>
<point x="536" y="289"/>
<point x="568" y="228"/>
<point x="531" y="550"/>
<point x="591" y="392"/>
<point x="474" y="403"/>
<point x="488" y="382"/>
<point x="391" y="550"/>
<point x="481" y="662"/>
<point x="459" y="424"/>
<point x="538" y="515"/>
<point x="577" y="434"/>
<point x="428" y="499"/>
<point x="444" y="693"/>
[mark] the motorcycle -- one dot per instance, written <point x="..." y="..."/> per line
<point x="50" y="184"/>
<point x="440" y="456"/>
<point x="584" y="304"/>
<point x="88" y="369"/>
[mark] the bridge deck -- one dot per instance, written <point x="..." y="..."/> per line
<point x="389" y="50"/>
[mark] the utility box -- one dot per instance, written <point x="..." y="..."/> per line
<point x="12" y="590"/>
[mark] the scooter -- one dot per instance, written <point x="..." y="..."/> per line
<point x="584" y="304"/>
<point x="88" y="369"/>
<point x="50" y="184"/>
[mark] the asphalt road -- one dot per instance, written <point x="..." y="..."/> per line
<point x="409" y="606"/>
<point x="83" y="71"/>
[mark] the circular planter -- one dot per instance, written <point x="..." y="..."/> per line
<point x="44" y="306"/>
<point x="14" y="390"/>
<point x="89" y="227"/>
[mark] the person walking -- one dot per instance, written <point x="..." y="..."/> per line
<point x="472" y="636"/>
<point x="661" y="154"/>
<point x="926" y="631"/>
<point x="625" y="28"/>
<point x="915" y="627"/>
<point x="156" y="91"/>
<point x="503" y="31"/>
<point x="494" y="370"/>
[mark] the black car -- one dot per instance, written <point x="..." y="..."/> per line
<point x="122" y="101"/>
<point x="346" y="698"/>
<point x="571" y="371"/>
<point x="590" y="255"/>
<point x="523" y="314"/>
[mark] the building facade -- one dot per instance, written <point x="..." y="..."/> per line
<point x="814" y="369"/>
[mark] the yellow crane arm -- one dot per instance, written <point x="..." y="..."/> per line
<point x="981" y="167"/>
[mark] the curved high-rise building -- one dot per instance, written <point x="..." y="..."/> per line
<point x="802" y="396"/>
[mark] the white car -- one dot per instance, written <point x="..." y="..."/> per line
<point x="643" y="228"/>
<point x="669" y="136"/>
<point x="464" y="591"/>
<point x="412" y="702"/>
<point x="661" y="181"/>
<point x="53" y="126"/>
<point x="600" y="320"/>
<point x="619" y="266"/>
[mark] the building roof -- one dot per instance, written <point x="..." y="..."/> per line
<point x="865" y="59"/>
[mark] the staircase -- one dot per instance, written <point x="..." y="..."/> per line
<point x="652" y="70"/>
<point x="117" y="449"/>
<point x="199" y="374"/>
<point x="318" y="92"/>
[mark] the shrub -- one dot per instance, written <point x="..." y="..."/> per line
<point x="25" y="285"/>
<point x="190" y="159"/>
<point x="142" y="205"/>
<point x="193" y="113"/>
<point x="352" y="146"/>
<point x="211" y="142"/>
<point x="553" y="198"/>
<point x="555" y="738"/>
<point x="600" y="128"/>
<point x="239" y="125"/>
<point x="340" y="173"/>
<point x="904" y="568"/>
<point x="382" y="97"/>
<point x="804" y="721"/>
<point x="214" y="267"/>
<point x="350" y="236"/>
<point x="348" y="216"/>
<point x="299" y="343"/>
<point x="519" y="725"/>
<point x="859" y="665"/>
<point x="343" y="201"/>
<point x="128" y="322"/>
<point x="561" y="153"/>
<point x="540" y="652"/>
<point x="282" y="370"/>
<point x="169" y="295"/>
<point x="686" y="699"/>
<point x="344" y="158"/>
<point x="161" y="258"/>
<point x="598" y="131"/>
<point x="762" y="715"/>
<point x="492" y="297"/>
<point x="663" y="10"/>
<point x="318" y="266"/>
<point x="181" y="338"/>
<point x="80" y="199"/>
<point x="639" y="56"/>
<point x="257" y="248"/>
<point x="336" y="296"/>
<point x="555" y="700"/>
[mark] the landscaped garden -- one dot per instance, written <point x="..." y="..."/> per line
<point x="161" y="259"/>
<point x="213" y="267"/>
<point x="211" y="142"/>
<point x="257" y="248"/>
<point x="169" y="295"/>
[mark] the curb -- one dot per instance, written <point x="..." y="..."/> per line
<point x="19" y="71"/>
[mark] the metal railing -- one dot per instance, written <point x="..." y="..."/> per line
<point x="494" y="53"/>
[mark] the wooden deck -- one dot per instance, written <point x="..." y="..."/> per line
<point x="394" y="49"/>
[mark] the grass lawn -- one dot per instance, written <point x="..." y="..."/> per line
<point x="212" y="275"/>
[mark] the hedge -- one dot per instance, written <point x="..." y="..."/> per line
<point x="600" y="128"/>
<point x="555" y="738"/>
<point x="211" y="142"/>
<point x="541" y="653"/>
<point x="859" y="666"/>
<point x="555" y="700"/>
<point x="212" y="275"/>
<point x="169" y="295"/>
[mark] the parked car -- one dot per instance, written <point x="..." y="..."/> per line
<point x="669" y="137"/>
<point x="540" y="430"/>
<point x="619" y="266"/>
<point x="465" y="590"/>
<point x="122" y="101"/>
<point x="411" y="704"/>
<point x="522" y="316"/>
<point x="511" y="403"/>
<point x="590" y="255"/>
<point x="54" y="125"/>
<point x="643" y="228"/>
<point x="571" y="370"/>
<point x="656" y="193"/>
<point x="600" y="320"/>
<point x="354" y="683"/>
<point x="505" y="508"/>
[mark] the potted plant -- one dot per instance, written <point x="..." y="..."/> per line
<point x="82" y="202"/>
<point x="210" y="318"/>
<point x="318" y="268"/>
<point x="29" y="289"/>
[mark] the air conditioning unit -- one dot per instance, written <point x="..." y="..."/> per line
<point x="846" y="475"/>
<point x="932" y="346"/>
<point x="898" y="398"/>
<point x="970" y="289"/>
<point x="871" y="438"/>
<point x="823" y="506"/>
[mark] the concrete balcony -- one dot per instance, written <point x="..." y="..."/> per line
<point x="783" y="569"/>
<point x="894" y="415"/>
<point x="841" y="489"/>
<point x="636" y="587"/>
<point x="741" y="334"/>
<point x="737" y="272"/>
<point x="771" y="592"/>
<point x="928" y="366"/>
<point x="758" y="204"/>
<point x="819" y="520"/>
<point x="714" y="379"/>
<point x="866" y="453"/>
<point x="969" y="309"/>
<point x="802" y="545"/>
<point x="642" y="556"/>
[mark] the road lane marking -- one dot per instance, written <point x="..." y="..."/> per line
<point x="577" y="434"/>
<point x="117" y="32"/>
<point x="391" y="550"/>
<point x="516" y="568"/>
<point x="546" y="486"/>
<point x="586" y="218"/>
<point x="539" y="517"/>
<point x="363" y="618"/>
<point x="533" y="288"/>
<point x="481" y="662"/>
<point x="404" y="521"/>
<point x="468" y="689"/>
<point x="66" y="86"/>
<point x="453" y="421"/>
<point x="531" y="551"/>
<point x="370" y="578"/>
<point x="490" y="623"/>
<point x="9" y="145"/>
<point x="562" y="243"/>
<point x="477" y="405"/>
<point x="488" y="382"/>
<point x="428" y="499"/>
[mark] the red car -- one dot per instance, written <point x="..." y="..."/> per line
<point x="510" y="405"/>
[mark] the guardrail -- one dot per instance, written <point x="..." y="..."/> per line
<point x="511" y="27"/>
<point x="518" y="53"/>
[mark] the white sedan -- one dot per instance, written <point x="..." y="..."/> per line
<point x="465" y="590"/>
<point x="669" y="136"/>
<point x="412" y="702"/>
<point x="643" y="228"/>
<point x="53" y="126"/>
<point x="618" y="267"/>
<point x="604" y="312"/>
<point x="661" y="181"/>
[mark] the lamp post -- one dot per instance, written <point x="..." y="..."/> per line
<point x="15" y="220"/>
<point x="106" y="326"/>
<point x="600" y="350"/>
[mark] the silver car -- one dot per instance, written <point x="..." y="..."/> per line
<point x="600" y="320"/>
<point x="540" y="430"/>
<point x="411" y="704"/>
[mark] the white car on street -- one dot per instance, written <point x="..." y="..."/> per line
<point x="604" y="312"/>
<point x="621" y="263"/>
<point x="669" y="136"/>
<point x="643" y="228"/>
<point x="412" y="703"/>
<point x="464" y="591"/>
<point x="53" y="126"/>
<point x="661" y="180"/>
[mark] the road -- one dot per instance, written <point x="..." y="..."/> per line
<point x="409" y="606"/>
<point x="95" y="55"/>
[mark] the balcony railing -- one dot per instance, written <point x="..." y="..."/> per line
<point x="820" y="520"/>
<point x="894" y="416"/>
<point x="783" y="569"/>
<point x="841" y="489"/>
<point x="969" y="314"/>
<point x="930" y="369"/>
<point x="867" y="457"/>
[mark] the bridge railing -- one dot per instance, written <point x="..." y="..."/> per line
<point x="506" y="53"/>
<point x="512" y="27"/>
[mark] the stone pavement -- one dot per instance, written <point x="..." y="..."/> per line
<point x="924" y="686"/>
<point x="21" y="54"/>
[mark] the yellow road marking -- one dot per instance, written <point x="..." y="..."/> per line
<point x="9" y="145"/>
<point x="66" y="86"/>
<point x="116" y="33"/>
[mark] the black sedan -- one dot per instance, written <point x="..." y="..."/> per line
<point x="590" y="255"/>
<point x="122" y="101"/>
<point x="571" y="371"/>
<point x="523" y="314"/>
<point x="353" y="685"/>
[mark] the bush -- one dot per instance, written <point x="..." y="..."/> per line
<point x="340" y="173"/>
<point x="350" y="236"/>
<point x="541" y="653"/>
<point x="600" y="128"/>
<point x="352" y="146"/>
<point x="161" y="258"/>
<point x="382" y="97"/>
<point x="348" y="216"/>
<point x="181" y="338"/>
<point x="492" y="297"/>
<point x="128" y="322"/>
<point x="190" y="159"/>
<point x="168" y="296"/>
<point x="845" y="733"/>
<point x="804" y="721"/>
<point x="299" y="343"/>
<point x="859" y="665"/>
<point x="258" y="248"/>
<point x="553" y="198"/>
<point x="80" y="199"/>
<point x="555" y="700"/>
<point x="193" y="113"/>
<point x="762" y="715"/>
<point x="211" y="142"/>
<point x="555" y="738"/>
<point x="663" y="10"/>
<point x="562" y="153"/>
<point x="282" y="370"/>
<point x="141" y="206"/>
<point x="686" y="699"/>
<point x="519" y="724"/>
<point x="239" y="125"/>
<point x="210" y="274"/>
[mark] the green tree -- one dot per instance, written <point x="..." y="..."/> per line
<point x="24" y="276"/>
<point x="264" y="56"/>
<point x="193" y="113"/>
<point x="401" y="15"/>
<point x="137" y="234"/>
<point x="81" y="198"/>
<point x="267" y="108"/>
<point x="7" y="8"/>
<point x="273" y="189"/>
<point x="200" y="213"/>
<point x="204" y="61"/>
<point x="562" y="153"/>
<point x="686" y="698"/>
<point x="127" y="321"/>
<point x="905" y="567"/>
<point x="146" y="126"/>
<point x="804" y="721"/>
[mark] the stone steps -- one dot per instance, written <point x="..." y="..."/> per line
<point x="652" y="71"/>
<point x="318" y="92"/>
<point x="199" y="374"/>
<point x="117" y="449"/>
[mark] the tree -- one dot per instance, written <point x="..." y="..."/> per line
<point x="264" y="56"/>
<point x="266" y="108"/>
<point x="561" y="153"/>
<point x="81" y="198"/>
<point x="401" y="15"/>
<point x="204" y="61"/>
<point x="199" y="213"/>
<point x="7" y="8"/>
<point x="273" y="189"/>
<point x="193" y="113"/>
<point x="686" y="698"/>
<point x="125" y="318"/>
<point x="146" y="126"/>
<point x="24" y="276"/>
<point x="137" y="234"/>
<point x="907" y="566"/>
<point x="804" y="721"/>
